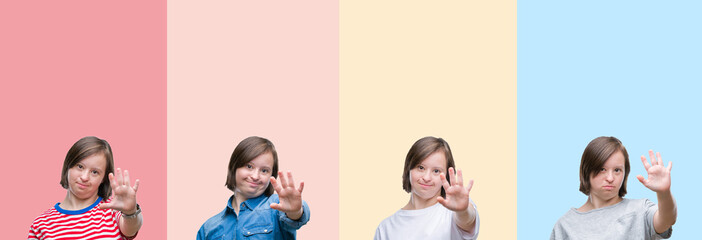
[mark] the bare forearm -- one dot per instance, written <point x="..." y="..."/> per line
<point x="667" y="212"/>
<point x="466" y="219"/>
<point x="295" y="215"/>
<point x="130" y="226"/>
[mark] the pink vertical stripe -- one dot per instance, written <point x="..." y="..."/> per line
<point x="70" y="69"/>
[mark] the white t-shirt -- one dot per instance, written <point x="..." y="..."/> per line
<point x="435" y="222"/>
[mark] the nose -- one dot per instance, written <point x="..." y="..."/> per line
<point x="610" y="177"/>
<point x="426" y="176"/>
<point x="84" y="176"/>
<point x="255" y="175"/>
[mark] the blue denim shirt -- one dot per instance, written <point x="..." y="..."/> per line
<point x="256" y="220"/>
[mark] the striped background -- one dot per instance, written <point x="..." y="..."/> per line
<point x="343" y="88"/>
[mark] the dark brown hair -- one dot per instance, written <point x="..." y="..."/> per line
<point x="247" y="150"/>
<point x="84" y="148"/>
<point x="420" y="150"/>
<point x="594" y="157"/>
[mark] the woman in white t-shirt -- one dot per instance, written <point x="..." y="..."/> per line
<point x="606" y="214"/>
<point x="439" y="207"/>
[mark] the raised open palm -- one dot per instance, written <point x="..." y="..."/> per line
<point x="290" y="198"/>
<point x="658" y="175"/>
<point x="124" y="195"/>
<point x="457" y="196"/>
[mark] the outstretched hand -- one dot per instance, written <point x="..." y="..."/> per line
<point x="290" y="198"/>
<point x="658" y="175"/>
<point x="457" y="196"/>
<point x="124" y="195"/>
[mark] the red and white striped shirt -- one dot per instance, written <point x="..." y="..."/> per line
<point x="88" y="223"/>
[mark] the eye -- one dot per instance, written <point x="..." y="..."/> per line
<point x="79" y="166"/>
<point x="265" y="170"/>
<point x="602" y="169"/>
<point x="617" y="170"/>
<point x="437" y="171"/>
<point x="249" y="166"/>
<point x="420" y="167"/>
<point x="95" y="172"/>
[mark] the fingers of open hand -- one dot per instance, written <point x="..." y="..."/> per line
<point x="126" y="181"/>
<point x="470" y="185"/>
<point x="113" y="182"/>
<point x="276" y="186"/>
<point x="444" y="182"/>
<point x="641" y="179"/>
<point x="660" y="160"/>
<point x="302" y="186"/>
<point x="118" y="176"/>
<point x="136" y="185"/>
<point x="283" y="179"/>
<point x="645" y="163"/>
<point x="452" y="176"/>
<point x="291" y="181"/>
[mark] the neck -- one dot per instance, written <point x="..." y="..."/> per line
<point x="237" y="200"/>
<point x="71" y="202"/>
<point x="416" y="203"/>
<point x="595" y="203"/>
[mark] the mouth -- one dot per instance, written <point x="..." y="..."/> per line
<point x="253" y="184"/>
<point x="608" y="187"/>
<point x="82" y="186"/>
<point x="425" y="185"/>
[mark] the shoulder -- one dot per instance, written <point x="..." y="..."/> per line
<point x="568" y="216"/>
<point x="45" y="216"/>
<point x="214" y="221"/>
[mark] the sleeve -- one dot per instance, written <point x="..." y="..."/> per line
<point x="201" y="233"/>
<point x="553" y="232"/>
<point x="290" y="224"/>
<point x="464" y="234"/>
<point x="651" y="209"/>
<point x="379" y="232"/>
<point x="32" y="235"/>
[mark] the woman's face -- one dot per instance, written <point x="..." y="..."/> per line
<point x="85" y="177"/>
<point x="606" y="183"/>
<point x="252" y="179"/>
<point x="424" y="178"/>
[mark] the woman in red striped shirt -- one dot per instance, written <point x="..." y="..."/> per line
<point x="86" y="212"/>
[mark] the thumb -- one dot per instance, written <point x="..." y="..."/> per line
<point x="441" y="200"/>
<point x="641" y="179"/>
<point x="275" y="206"/>
<point x="108" y="205"/>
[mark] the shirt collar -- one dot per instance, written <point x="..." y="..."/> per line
<point x="250" y="203"/>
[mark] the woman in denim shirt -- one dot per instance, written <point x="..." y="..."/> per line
<point x="254" y="212"/>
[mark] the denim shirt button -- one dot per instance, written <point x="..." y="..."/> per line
<point x="265" y="230"/>
<point x="248" y="232"/>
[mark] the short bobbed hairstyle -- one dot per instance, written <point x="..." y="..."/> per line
<point x="420" y="150"/>
<point x="594" y="157"/>
<point x="84" y="148"/>
<point x="247" y="150"/>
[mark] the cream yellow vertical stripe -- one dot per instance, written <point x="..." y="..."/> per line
<point x="410" y="69"/>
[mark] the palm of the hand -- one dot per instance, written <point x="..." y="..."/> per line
<point x="658" y="178"/>
<point x="456" y="198"/>
<point x="290" y="199"/>
<point x="658" y="174"/>
<point x="124" y="198"/>
<point x="124" y="195"/>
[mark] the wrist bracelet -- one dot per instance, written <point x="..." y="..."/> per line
<point x="133" y="215"/>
